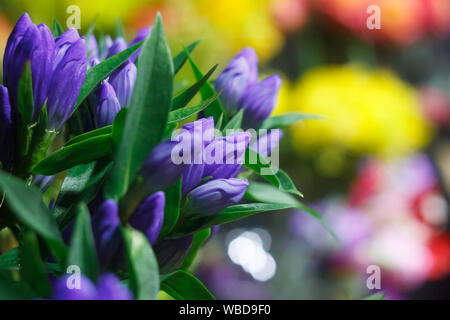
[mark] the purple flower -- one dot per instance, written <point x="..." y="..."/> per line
<point x="214" y="196"/>
<point x="108" y="287"/>
<point x="43" y="182"/>
<point x="118" y="46"/>
<point x="68" y="76"/>
<point x="105" y="227"/>
<point x="6" y="130"/>
<point x="241" y="89"/>
<point x="123" y="80"/>
<point x="259" y="101"/>
<point x="158" y="170"/>
<point x="149" y="216"/>
<point x="225" y="155"/>
<point x="172" y="252"/>
<point x="29" y="42"/>
<point x="141" y="36"/>
<point x="108" y="105"/>
<point x="234" y="81"/>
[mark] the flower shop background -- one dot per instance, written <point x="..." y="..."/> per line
<point x="377" y="167"/>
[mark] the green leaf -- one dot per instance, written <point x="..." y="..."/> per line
<point x="89" y="135"/>
<point x="119" y="30"/>
<point x="98" y="73"/>
<point x="118" y="125"/>
<point x="186" y="112"/>
<point x="235" y="122"/>
<point x="197" y="243"/>
<point x="215" y="110"/>
<point x="147" y="119"/>
<point x="186" y="96"/>
<point x="57" y="28"/>
<point x="230" y="214"/>
<point x="32" y="269"/>
<point x="261" y="166"/>
<point x="172" y="208"/>
<point x="375" y="296"/>
<point x="182" y="285"/>
<point x="286" y="120"/>
<point x="142" y="265"/>
<point x="26" y="203"/>
<point x="181" y="58"/>
<point x="82" y="183"/>
<point x="13" y="290"/>
<point x="9" y="260"/>
<point x="25" y="102"/>
<point x="263" y="192"/>
<point x="78" y="153"/>
<point x="82" y="252"/>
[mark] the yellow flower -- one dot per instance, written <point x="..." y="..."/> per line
<point x="370" y="112"/>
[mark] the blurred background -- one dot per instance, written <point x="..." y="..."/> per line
<point x="377" y="167"/>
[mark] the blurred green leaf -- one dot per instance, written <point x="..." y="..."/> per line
<point x="74" y="154"/>
<point x="182" y="285"/>
<point x="57" y="29"/>
<point x="118" y="125"/>
<point x="287" y="119"/>
<point x="27" y="205"/>
<point x="375" y="296"/>
<point x="187" y="95"/>
<point x="142" y="265"/>
<point x="263" y="192"/>
<point x="9" y="260"/>
<point x="82" y="252"/>
<point x="32" y="269"/>
<point x="119" y="30"/>
<point x="146" y="120"/>
<point x="13" y="290"/>
<point x="25" y="102"/>
<point x="98" y="73"/>
<point x="181" y="58"/>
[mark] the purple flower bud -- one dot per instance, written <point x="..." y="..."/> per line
<point x="141" y="36"/>
<point x="68" y="77"/>
<point x="214" y="196"/>
<point x="6" y="130"/>
<point x="92" y="46"/>
<point x="85" y="291"/>
<point x="123" y="80"/>
<point x="43" y="182"/>
<point x="259" y="101"/>
<point x="29" y="42"/>
<point x="64" y="42"/>
<point x="201" y="133"/>
<point x="105" y="227"/>
<point x="233" y="81"/>
<point x="110" y="288"/>
<point x="225" y="155"/>
<point x="108" y="105"/>
<point x="149" y="216"/>
<point x="251" y="57"/>
<point x="267" y="142"/>
<point x="172" y="252"/>
<point x="118" y="46"/>
<point x="158" y="170"/>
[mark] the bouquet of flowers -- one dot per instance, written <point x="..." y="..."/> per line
<point x="139" y="177"/>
